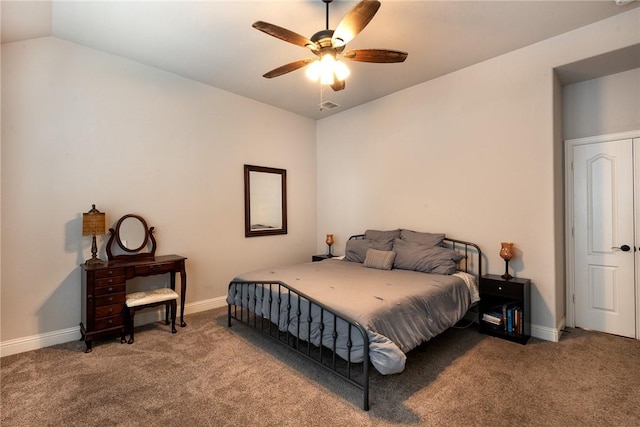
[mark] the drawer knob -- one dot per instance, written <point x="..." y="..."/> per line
<point x="499" y="288"/>
<point x="110" y="289"/>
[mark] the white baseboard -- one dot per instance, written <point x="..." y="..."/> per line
<point x="34" y="342"/>
<point x="546" y="333"/>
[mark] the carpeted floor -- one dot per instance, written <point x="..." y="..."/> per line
<point x="208" y="374"/>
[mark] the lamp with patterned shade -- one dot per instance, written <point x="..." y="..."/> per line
<point x="93" y="223"/>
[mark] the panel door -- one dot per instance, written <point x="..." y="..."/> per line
<point x="603" y="225"/>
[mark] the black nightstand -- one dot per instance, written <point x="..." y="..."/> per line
<point x="315" y="258"/>
<point x="510" y="300"/>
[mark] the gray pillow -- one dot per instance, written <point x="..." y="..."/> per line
<point x="383" y="237"/>
<point x="426" y="259"/>
<point x="427" y="239"/>
<point x="382" y="260"/>
<point x="356" y="249"/>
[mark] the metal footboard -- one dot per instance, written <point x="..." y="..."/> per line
<point x="273" y="307"/>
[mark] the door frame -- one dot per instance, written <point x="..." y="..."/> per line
<point x="569" y="144"/>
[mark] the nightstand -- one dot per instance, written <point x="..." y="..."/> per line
<point x="509" y="302"/>
<point x="315" y="258"/>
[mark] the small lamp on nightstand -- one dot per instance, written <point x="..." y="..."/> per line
<point x="93" y="223"/>
<point x="329" y="243"/>
<point x="506" y="253"/>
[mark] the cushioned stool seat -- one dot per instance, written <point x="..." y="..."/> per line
<point x="154" y="297"/>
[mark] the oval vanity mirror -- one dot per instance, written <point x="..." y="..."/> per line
<point x="131" y="233"/>
<point x="133" y="237"/>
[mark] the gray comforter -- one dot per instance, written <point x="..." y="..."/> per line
<point x="400" y="309"/>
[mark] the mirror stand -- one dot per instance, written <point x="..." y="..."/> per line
<point x="132" y="236"/>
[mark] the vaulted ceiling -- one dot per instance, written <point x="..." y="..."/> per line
<point x="213" y="42"/>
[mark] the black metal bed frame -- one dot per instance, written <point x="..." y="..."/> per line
<point x="324" y="355"/>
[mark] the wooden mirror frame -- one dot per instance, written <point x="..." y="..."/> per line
<point x="132" y="254"/>
<point x="248" y="230"/>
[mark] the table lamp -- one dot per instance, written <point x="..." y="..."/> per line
<point x="507" y="252"/>
<point x="329" y="243"/>
<point x="93" y="223"/>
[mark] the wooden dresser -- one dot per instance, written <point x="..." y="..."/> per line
<point x="104" y="288"/>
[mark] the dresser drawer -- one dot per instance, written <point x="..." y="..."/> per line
<point x="111" y="299"/>
<point x="109" y="310"/>
<point x="107" y="290"/>
<point x="110" y="322"/>
<point x="155" y="268"/>
<point x="109" y="272"/>
<point x="500" y="288"/>
<point x="109" y="281"/>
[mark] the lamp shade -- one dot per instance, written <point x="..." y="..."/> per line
<point x="93" y="222"/>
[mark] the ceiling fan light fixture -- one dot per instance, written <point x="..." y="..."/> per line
<point x="327" y="67"/>
<point x="328" y="45"/>
<point x="313" y="71"/>
<point x="327" y="70"/>
<point x="341" y="70"/>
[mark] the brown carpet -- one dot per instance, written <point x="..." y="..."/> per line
<point x="211" y="375"/>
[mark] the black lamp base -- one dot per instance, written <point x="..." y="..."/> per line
<point x="506" y="275"/>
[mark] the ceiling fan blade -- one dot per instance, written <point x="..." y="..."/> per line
<point x="287" y="68"/>
<point x="338" y="85"/>
<point x="355" y="21"/>
<point x="375" y="55"/>
<point x="284" y="34"/>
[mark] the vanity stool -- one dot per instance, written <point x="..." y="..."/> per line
<point x="136" y="301"/>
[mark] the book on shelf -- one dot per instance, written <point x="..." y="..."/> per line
<point x="492" y="318"/>
<point x="507" y="316"/>
<point x="504" y="315"/>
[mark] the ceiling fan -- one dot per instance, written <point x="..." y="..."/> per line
<point x="329" y="46"/>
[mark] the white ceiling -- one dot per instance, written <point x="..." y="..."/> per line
<point x="213" y="42"/>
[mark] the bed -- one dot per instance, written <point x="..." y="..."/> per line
<point x="391" y="292"/>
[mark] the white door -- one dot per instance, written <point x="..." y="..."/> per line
<point x="604" y="237"/>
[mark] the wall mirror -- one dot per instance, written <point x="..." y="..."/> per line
<point x="133" y="239"/>
<point x="265" y="201"/>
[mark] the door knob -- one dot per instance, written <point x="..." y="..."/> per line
<point x="623" y="248"/>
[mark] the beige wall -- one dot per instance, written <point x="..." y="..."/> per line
<point x="473" y="154"/>
<point x="81" y="127"/>
<point x="602" y="106"/>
